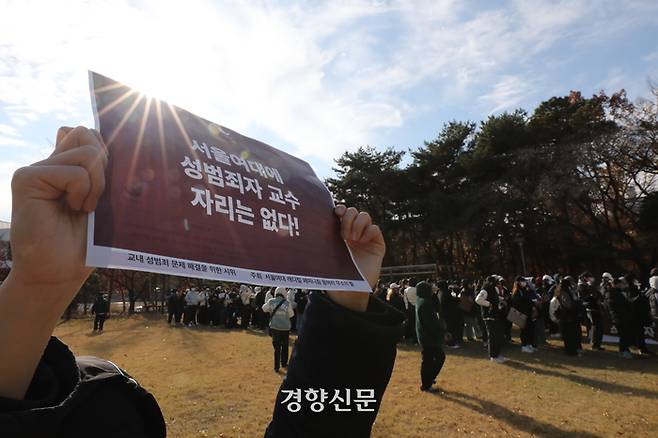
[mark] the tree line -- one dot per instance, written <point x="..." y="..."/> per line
<point x="571" y="186"/>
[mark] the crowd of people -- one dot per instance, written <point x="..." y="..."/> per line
<point x="231" y="307"/>
<point x="277" y="310"/>
<point x="348" y="342"/>
<point x="447" y="312"/>
<point x="546" y="306"/>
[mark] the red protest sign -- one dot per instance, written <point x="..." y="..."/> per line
<point x="189" y="197"/>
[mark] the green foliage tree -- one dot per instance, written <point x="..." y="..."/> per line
<point x="573" y="184"/>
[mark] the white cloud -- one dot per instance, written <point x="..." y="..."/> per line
<point x="507" y="94"/>
<point x="321" y="77"/>
<point x="8" y="130"/>
<point x="651" y="57"/>
<point x="10" y="141"/>
<point x="238" y="64"/>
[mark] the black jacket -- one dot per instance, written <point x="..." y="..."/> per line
<point x="428" y="326"/>
<point x="571" y="309"/>
<point x="590" y="297"/>
<point x="522" y="301"/>
<point x="396" y="300"/>
<point x="68" y="398"/>
<point x="449" y="305"/>
<point x="641" y="310"/>
<point x="100" y="306"/>
<point x="620" y="306"/>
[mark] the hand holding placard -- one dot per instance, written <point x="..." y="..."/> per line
<point x="191" y="198"/>
<point x="367" y="245"/>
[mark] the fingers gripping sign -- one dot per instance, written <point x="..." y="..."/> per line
<point x="50" y="202"/>
<point x="367" y="245"/>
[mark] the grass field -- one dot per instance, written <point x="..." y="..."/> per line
<point x="215" y="383"/>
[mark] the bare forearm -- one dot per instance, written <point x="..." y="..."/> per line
<point x="26" y="324"/>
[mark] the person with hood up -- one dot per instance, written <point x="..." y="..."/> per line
<point x="430" y="335"/>
<point x="281" y="312"/>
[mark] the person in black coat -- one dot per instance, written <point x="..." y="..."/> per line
<point x="640" y="314"/>
<point x="100" y="308"/>
<point x="172" y="304"/>
<point x="46" y="392"/>
<point x="301" y="300"/>
<point x="621" y="314"/>
<point x="260" y="318"/>
<point x="395" y="298"/>
<point x="523" y="301"/>
<point x="448" y="311"/>
<point x="592" y="301"/>
<point x="506" y="299"/>
<point x="569" y="316"/>
<point x="493" y="311"/>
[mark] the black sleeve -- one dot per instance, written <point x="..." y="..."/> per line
<point x="339" y="350"/>
<point x="70" y="397"/>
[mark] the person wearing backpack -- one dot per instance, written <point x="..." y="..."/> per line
<point x="281" y="311"/>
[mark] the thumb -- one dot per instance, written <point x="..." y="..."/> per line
<point x="50" y="183"/>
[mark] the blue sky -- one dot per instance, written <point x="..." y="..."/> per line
<point x="313" y="78"/>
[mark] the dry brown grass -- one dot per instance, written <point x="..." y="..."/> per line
<point x="215" y="383"/>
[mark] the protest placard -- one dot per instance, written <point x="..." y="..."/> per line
<point x="188" y="197"/>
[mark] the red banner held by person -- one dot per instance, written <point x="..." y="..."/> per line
<point x="188" y="197"/>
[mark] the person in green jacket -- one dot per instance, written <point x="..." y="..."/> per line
<point x="430" y="336"/>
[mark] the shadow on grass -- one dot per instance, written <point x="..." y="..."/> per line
<point x="516" y="420"/>
<point x="222" y="329"/>
<point x="554" y="357"/>
<point x="613" y="388"/>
